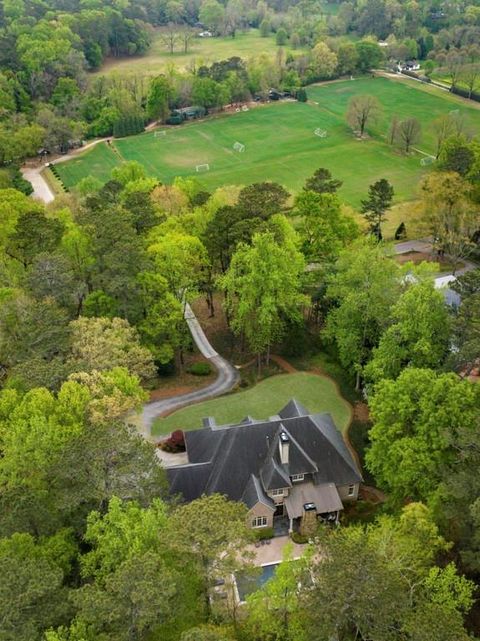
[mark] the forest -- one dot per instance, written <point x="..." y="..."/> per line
<point x="93" y="293"/>
<point x="92" y="545"/>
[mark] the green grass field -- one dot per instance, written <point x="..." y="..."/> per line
<point x="317" y="393"/>
<point x="201" y="51"/>
<point x="281" y="144"/>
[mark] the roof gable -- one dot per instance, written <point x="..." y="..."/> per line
<point x="228" y="456"/>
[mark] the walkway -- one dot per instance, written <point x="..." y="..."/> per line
<point x="41" y="189"/>
<point x="226" y="380"/>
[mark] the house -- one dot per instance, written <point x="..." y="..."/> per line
<point x="409" y="65"/>
<point x="289" y="470"/>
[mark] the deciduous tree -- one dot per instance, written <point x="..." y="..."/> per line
<point x="263" y="289"/>
<point x="363" y="289"/>
<point x="418" y="336"/>
<point x="414" y="419"/>
<point x="362" y="112"/>
<point x="103" y="343"/>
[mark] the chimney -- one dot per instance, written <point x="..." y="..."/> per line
<point x="284" y="444"/>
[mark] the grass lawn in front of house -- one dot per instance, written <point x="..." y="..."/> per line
<point x="267" y="398"/>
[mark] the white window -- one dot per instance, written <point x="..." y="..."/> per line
<point x="277" y="492"/>
<point x="351" y="490"/>
<point x="298" y="477"/>
<point x="259" y="521"/>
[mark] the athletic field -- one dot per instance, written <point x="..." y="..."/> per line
<point x="281" y="144"/>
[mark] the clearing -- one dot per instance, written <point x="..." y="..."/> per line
<point x="280" y="143"/>
<point x="201" y="51"/>
<point x="317" y="393"/>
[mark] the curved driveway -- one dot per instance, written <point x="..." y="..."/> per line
<point x="227" y="378"/>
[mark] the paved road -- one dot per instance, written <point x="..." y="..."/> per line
<point x="227" y="378"/>
<point x="41" y="189"/>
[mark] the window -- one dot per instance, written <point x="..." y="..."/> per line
<point x="351" y="490"/>
<point x="298" y="477"/>
<point x="259" y="521"/>
<point x="277" y="492"/>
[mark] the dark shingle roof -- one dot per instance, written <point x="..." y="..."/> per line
<point x="232" y="454"/>
<point x="293" y="408"/>
<point x="254" y="494"/>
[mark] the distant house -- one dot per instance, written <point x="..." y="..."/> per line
<point x="408" y="65"/>
<point x="292" y="467"/>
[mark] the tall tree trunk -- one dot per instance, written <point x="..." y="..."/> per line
<point x="357" y="382"/>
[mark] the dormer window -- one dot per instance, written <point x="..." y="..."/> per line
<point x="297" y="477"/>
<point x="277" y="492"/>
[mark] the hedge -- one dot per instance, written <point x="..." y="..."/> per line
<point x="200" y="369"/>
<point x="465" y="94"/>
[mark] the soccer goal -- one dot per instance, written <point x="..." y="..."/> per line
<point x="201" y="168"/>
<point x="454" y="112"/>
<point x="157" y="134"/>
<point x="321" y="133"/>
<point x="428" y="160"/>
<point x="239" y="147"/>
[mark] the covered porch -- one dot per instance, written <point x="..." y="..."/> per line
<point x="306" y="503"/>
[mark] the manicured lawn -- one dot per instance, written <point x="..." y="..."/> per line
<point x="317" y="393"/>
<point x="98" y="161"/>
<point x="404" y="99"/>
<point x="280" y="143"/>
<point x="201" y="51"/>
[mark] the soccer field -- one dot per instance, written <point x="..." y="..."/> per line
<point x="280" y="143"/>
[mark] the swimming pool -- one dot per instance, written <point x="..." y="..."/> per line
<point x="248" y="584"/>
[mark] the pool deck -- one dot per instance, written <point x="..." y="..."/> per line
<point x="273" y="553"/>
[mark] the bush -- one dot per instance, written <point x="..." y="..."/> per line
<point x="298" y="538"/>
<point x="410" y="74"/>
<point x="301" y="95"/>
<point x="401" y="232"/>
<point x="174" y="443"/>
<point x="281" y="37"/>
<point x="264" y="533"/>
<point x="128" y="126"/>
<point x="200" y="369"/>
<point x="465" y="94"/>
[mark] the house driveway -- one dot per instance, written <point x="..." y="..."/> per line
<point x="227" y="378"/>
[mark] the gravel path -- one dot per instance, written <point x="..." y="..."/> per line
<point x="227" y="378"/>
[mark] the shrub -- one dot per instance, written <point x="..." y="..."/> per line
<point x="298" y="538"/>
<point x="128" y="126"/>
<point x="465" y="93"/>
<point x="174" y="443"/>
<point x="281" y="37"/>
<point x="301" y="95"/>
<point x="401" y="232"/>
<point x="200" y="369"/>
<point x="264" y="533"/>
